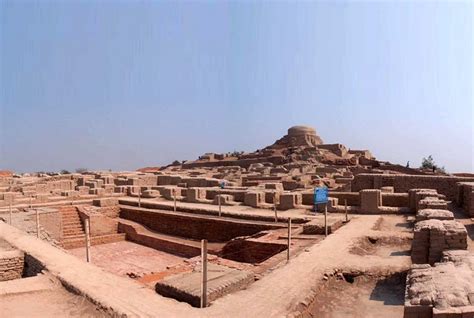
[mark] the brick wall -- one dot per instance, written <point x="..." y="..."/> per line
<point x="11" y="264"/>
<point x="194" y="227"/>
<point x="168" y="246"/>
<point x="402" y="183"/>
<point x="395" y="199"/>
<point x="51" y="222"/>
<point x="432" y="237"/>
<point x="466" y="199"/>
<point x="249" y="251"/>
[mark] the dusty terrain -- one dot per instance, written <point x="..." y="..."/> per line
<point x="365" y="297"/>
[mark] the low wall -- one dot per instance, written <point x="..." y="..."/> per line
<point x="402" y="183"/>
<point x="134" y="235"/>
<point x="194" y="227"/>
<point x="399" y="200"/>
<point x="466" y="197"/>
<point x="250" y="251"/>
<point x="11" y="264"/>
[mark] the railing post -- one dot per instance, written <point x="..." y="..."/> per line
<point x="37" y="224"/>
<point x="204" y="273"/>
<point x="326" y="219"/>
<point x="219" y="201"/>
<point x="345" y="208"/>
<point x="174" y="194"/>
<point x="88" y="240"/>
<point x="275" y="206"/>
<point x="139" y="199"/>
<point x="289" y="240"/>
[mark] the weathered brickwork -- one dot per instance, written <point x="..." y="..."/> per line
<point x="11" y="264"/>
<point x="402" y="183"/>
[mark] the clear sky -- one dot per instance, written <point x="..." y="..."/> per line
<point x="122" y="85"/>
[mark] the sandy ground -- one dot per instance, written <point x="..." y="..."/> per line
<point x="365" y="298"/>
<point x="129" y="259"/>
<point x="55" y="303"/>
<point x="388" y="240"/>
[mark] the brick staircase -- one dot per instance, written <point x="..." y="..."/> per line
<point x="73" y="234"/>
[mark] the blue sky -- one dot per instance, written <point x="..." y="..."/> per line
<point x="122" y="85"/>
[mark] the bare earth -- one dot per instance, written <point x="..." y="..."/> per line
<point x="365" y="298"/>
<point x="55" y="303"/>
<point x="127" y="258"/>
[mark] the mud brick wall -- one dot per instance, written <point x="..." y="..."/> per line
<point x="440" y="291"/>
<point x="11" y="264"/>
<point x="398" y="200"/>
<point x="432" y="237"/>
<point x="432" y="203"/>
<point x="237" y="194"/>
<point x="402" y="183"/>
<point x="254" y="198"/>
<point x="157" y="243"/>
<point x="353" y="199"/>
<point x="110" y="211"/>
<point x="51" y="223"/>
<point x="370" y="201"/>
<point x="289" y="201"/>
<point x="250" y="251"/>
<point x="102" y="225"/>
<point x="466" y="198"/>
<point x="105" y="202"/>
<point x="193" y="227"/>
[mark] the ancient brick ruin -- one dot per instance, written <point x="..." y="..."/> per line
<point x="145" y="229"/>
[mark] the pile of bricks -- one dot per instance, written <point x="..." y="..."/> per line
<point x="11" y="264"/>
<point x="432" y="203"/>
<point x="443" y="290"/>
<point x="432" y="237"/>
<point x="425" y="199"/>
<point x="434" y="214"/>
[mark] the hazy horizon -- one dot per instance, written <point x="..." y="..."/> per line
<point x="125" y="85"/>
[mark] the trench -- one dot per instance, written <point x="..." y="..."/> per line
<point x="361" y="295"/>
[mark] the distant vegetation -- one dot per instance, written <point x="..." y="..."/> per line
<point x="236" y="153"/>
<point x="81" y="170"/>
<point x="429" y="163"/>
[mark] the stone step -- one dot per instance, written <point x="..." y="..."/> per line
<point x="68" y="215"/>
<point x="73" y="229"/>
<point x="96" y="240"/>
<point x="75" y="232"/>
<point x="75" y="236"/>
<point x="72" y="223"/>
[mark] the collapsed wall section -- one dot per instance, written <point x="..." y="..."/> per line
<point x="433" y="237"/>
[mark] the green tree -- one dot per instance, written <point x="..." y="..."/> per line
<point x="429" y="163"/>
